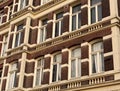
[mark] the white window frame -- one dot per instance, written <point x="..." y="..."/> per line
<point x="40" y="68"/>
<point x="4" y="45"/>
<point x="12" y="75"/>
<point x="19" y="32"/>
<point x="77" y="15"/>
<point x="96" y="11"/>
<point x="99" y="63"/>
<point x="43" y="31"/>
<point x="59" y="21"/>
<point x="58" y="71"/>
<point x="77" y="60"/>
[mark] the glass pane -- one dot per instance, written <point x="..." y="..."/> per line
<point x="54" y="73"/>
<point x="99" y="12"/>
<point x="93" y="15"/>
<point x="57" y="29"/>
<point x="19" y="27"/>
<point x="79" y="20"/>
<point x="17" y="40"/>
<point x="61" y="31"/>
<point x="101" y="62"/>
<point x="74" y="22"/>
<point x="94" y="63"/>
<point x="73" y="68"/>
<point x="23" y="4"/>
<point x="79" y="67"/>
<point x="97" y="46"/>
<point x="41" y="35"/>
<point x="58" y="58"/>
<point x="59" y="73"/>
<point x="44" y="22"/>
<point x="14" y="66"/>
<point x="59" y="15"/>
<point x="76" y="8"/>
<point x="38" y="77"/>
<point x="93" y="2"/>
<point x="76" y="52"/>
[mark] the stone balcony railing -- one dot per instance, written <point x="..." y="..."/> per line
<point x="82" y="82"/>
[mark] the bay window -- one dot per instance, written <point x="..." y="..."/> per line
<point x="12" y="76"/>
<point x="96" y="10"/>
<point x="39" y="71"/>
<point x="58" y="24"/>
<point x="76" y="17"/>
<point x="97" y="57"/>
<point x="76" y="62"/>
<point x="56" y="71"/>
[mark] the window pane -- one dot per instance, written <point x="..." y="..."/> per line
<point x="99" y="12"/>
<point x="59" y="72"/>
<point x="57" y="29"/>
<point x="79" y="67"/>
<point x="16" y="40"/>
<point x="93" y="15"/>
<point x="101" y="62"/>
<point x="93" y="2"/>
<point x="38" y="77"/>
<point x="44" y="22"/>
<point x="79" y="20"/>
<point x="73" y="70"/>
<point x="76" y="52"/>
<point x="19" y="27"/>
<point x="59" y="15"/>
<point x="54" y="73"/>
<point x="76" y="8"/>
<point x="94" y="63"/>
<point x="41" y="35"/>
<point x="61" y="31"/>
<point x="74" y="22"/>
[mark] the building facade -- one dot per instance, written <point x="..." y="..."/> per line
<point x="59" y="45"/>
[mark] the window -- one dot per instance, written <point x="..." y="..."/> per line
<point x="18" y="35"/>
<point x="76" y="62"/>
<point x="1" y="16"/>
<point x="76" y="17"/>
<point x="96" y="10"/>
<point x="97" y="57"/>
<point x="44" y="1"/>
<point x="23" y="4"/>
<point x="56" y="72"/>
<point x="13" y="74"/>
<point x="43" y="31"/>
<point x="10" y="11"/>
<point x="4" y="45"/>
<point x="39" y="72"/>
<point x="58" y="24"/>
